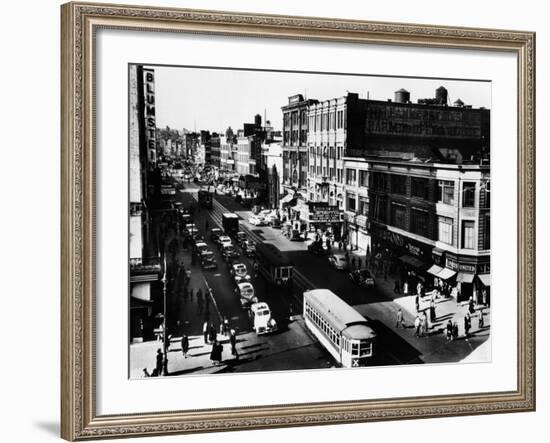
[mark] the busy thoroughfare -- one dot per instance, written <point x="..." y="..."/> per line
<point x="290" y="345"/>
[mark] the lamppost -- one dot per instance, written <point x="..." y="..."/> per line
<point x="164" y="332"/>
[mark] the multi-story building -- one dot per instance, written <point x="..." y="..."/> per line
<point x="412" y="179"/>
<point x="335" y="126"/>
<point x="215" y="150"/>
<point x="144" y="263"/>
<point x="435" y="218"/>
<point x="272" y="163"/>
<point x="205" y="147"/>
<point x="295" y="130"/>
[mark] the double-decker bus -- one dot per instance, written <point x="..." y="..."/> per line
<point x="339" y="328"/>
<point x="273" y="264"/>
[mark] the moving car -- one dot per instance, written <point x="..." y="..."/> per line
<point x="224" y="240"/>
<point x="263" y="322"/>
<point x="246" y="293"/>
<point x="240" y="238"/>
<point x="338" y="262"/>
<point x="215" y="234"/>
<point x="201" y="248"/>
<point x="239" y="272"/>
<point x="229" y="252"/>
<point x="208" y="260"/>
<point x="362" y="277"/>
<point x="249" y="248"/>
<point x="191" y="228"/>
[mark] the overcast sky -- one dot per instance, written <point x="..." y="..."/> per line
<point x="213" y="99"/>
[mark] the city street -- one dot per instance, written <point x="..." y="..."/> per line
<point x="293" y="346"/>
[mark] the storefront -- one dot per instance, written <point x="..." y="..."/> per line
<point x="472" y="276"/>
<point x="410" y="257"/>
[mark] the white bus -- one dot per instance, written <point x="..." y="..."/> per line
<point x="341" y="329"/>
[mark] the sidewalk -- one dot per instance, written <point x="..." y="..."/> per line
<point x="294" y="346"/>
<point x="433" y="347"/>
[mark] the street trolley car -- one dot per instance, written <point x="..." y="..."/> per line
<point x="341" y="329"/>
<point x="273" y="264"/>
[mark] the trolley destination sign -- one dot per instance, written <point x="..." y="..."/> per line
<point x="324" y="213"/>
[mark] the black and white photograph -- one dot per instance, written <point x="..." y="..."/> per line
<point x="284" y="220"/>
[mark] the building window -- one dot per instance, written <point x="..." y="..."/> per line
<point x="446" y="192"/>
<point x="469" y="195"/>
<point x="420" y="187"/>
<point x="363" y="179"/>
<point x="331" y="173"/>
<point x="363" y="206"/>
<point x="351" y="202"/>
<point x="378" y="181"/>
<point x="378" y="205"/>
<point x="399" y="215"/>
<point x="445" y="230"/>
<point x="351" y="177"/>
<point x="339" y="175"/>
<point x="468" y="234"/>
<point x="419" y="222"/>
<point x="399" y="184"/>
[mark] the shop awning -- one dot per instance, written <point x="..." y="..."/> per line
<point x="434" y="270"/>
<point x="446" y="274"/>
<point x="412" y="261"/>
<point x="465" y="277"/>
<point x="485" y="279"/>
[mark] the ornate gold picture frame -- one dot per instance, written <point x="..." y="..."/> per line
<point x="80" y="22"/>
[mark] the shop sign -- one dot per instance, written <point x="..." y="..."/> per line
<point x="467" y="268"/>
<point x="324" y="213"/>
<point x="451" y="263"/>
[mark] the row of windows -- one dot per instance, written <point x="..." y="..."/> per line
<point x="327" y="121"/>
<point x="323" y="325"/>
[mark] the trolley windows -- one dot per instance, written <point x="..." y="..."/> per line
<point x="362" y="348"/>
<point x="332" y="334"/>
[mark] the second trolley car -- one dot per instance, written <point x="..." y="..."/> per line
<point x="339" y="328"/>
<point x="273" y="264"/>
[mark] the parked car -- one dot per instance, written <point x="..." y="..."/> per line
<point x="362" y="277"/>
<point x="338" y="261"/>
<point x="316" y="248"/>
<point x="246" y="294"/>
<point x="256" y="220"/>
<point x="262" y="320"/>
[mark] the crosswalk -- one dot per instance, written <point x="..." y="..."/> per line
<point x="302" y="282"/>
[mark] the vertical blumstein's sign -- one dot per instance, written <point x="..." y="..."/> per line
<point x="149" y="110"/>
